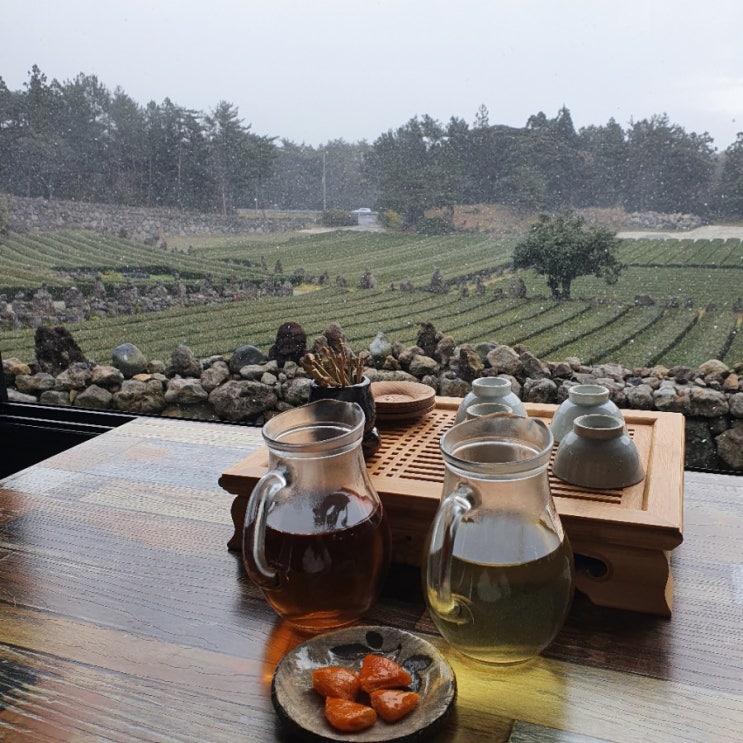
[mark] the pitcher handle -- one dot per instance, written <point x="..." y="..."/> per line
<point x="441" y="550"/>
<point x="256" y="514"/>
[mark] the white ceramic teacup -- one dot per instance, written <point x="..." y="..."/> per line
<point x="583" y="399"/>
<point x="598" y="453"/>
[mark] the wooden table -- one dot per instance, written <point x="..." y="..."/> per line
<point x="123" y="617"/>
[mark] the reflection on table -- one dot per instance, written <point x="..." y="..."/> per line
<point x="123" y="616"/>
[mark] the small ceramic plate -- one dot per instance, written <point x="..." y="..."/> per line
<point x="402" y="400"/>
<point x="301" y="706"/>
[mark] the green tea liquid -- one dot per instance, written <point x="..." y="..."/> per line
<point x="512" y="606"/>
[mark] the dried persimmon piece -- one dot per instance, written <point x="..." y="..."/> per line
<point x="378" y="672"/>
<point x="348" y="716"/>
<point x="393" y="704"/>
<point x="336" y="681"/>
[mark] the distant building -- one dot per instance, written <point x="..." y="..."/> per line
<point x="365" y="217"/>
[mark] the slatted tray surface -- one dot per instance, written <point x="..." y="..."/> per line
<point x="411" y="452"/>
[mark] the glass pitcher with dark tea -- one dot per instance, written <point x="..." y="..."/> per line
<point x="315" y="538"/>
<point x="498" y="567"/>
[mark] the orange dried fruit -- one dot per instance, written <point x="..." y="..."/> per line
<point x="393" y="704"/>
<point x="348" y="716"/>
<point x="378" y="672"/>
<point x="336" y="681"/>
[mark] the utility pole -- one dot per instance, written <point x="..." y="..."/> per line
<point x="324" y="185"/>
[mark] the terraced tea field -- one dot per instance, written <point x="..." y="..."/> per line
<point x="696" y="286"/>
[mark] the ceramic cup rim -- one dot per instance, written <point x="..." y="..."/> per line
<point x="599" y="425"/>
<point x="588" y="394"/>
<point x="491" y="386"/>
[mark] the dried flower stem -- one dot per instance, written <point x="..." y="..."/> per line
<point x="330" y="368"/>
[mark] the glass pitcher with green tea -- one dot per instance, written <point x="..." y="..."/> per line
<point x="498" y="567"/>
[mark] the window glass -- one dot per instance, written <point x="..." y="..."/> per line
<point x="180" y="180"/>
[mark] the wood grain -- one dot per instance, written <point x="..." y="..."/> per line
<point x="123" y="617"/>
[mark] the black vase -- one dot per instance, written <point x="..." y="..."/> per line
<point x="359" y="393"/>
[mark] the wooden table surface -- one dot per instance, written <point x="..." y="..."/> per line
<point x="123" y="617"/>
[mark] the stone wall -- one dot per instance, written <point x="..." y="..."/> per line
<point x="658" y="221"/>
<point x="137" y="223"/>
<point x="38" y="308"/>
<point x="246" y="387"/>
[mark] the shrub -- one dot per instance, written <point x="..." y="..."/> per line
<point x="367" y="280"/>
<point x="4" y="216"/>
<point x="391" y="219"/>
<point x="338" y="218"/>
<point x="437" y="285"/>
<point x="434" y="226"/>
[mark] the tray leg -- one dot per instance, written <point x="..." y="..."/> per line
<point x="635" y="579"/>
<point x="239" y="506"/>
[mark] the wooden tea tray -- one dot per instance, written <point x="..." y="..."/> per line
<point x="621" y="538"/>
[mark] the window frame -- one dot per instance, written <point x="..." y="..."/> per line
<point x="30" y="432"/>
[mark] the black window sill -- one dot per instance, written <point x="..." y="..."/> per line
<point x="30" y="433"/>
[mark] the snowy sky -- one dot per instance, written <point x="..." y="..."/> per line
<point x="316" y="70"/>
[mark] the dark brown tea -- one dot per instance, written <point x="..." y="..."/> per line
<point x="330" y="552"/>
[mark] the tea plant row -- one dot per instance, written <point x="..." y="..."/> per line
<point x="612" y="329"/>
<point x="716" y="253"/>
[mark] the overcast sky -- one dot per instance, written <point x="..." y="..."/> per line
<point x="317" y="70"/>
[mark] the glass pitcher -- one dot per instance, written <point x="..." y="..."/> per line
<point x="498" y="567"/>
<point x="316" y="539"/>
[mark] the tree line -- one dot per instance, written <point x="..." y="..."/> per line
<point x="652" y="165"/>
<point x="78" y="140"/>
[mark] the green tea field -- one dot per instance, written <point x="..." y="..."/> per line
<point x="692" y="310"/>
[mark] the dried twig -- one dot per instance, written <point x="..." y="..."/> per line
<point x="330" y="368"/>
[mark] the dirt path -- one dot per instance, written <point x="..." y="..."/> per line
<point x="708" y="232"/>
